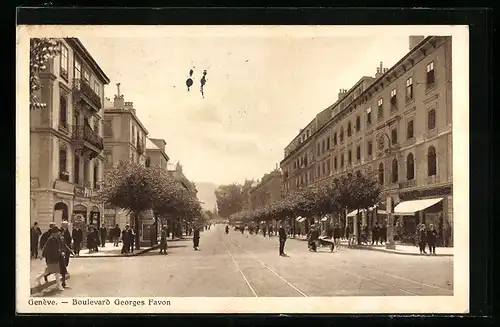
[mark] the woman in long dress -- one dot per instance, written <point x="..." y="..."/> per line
<point x="52" y="252"/>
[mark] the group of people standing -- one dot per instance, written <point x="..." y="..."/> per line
<point x="427" y="236"/>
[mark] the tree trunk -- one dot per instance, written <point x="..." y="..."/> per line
<point x="154" y="239"/>
<point x="137" y="228"/>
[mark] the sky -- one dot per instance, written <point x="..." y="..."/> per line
<point x="260" y="90"/>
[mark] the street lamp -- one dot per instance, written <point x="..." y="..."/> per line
<point x="389" y="244"/>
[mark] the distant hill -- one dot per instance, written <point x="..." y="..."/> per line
<point x="206" y="194"/>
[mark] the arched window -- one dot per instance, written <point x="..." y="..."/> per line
<point x="394" y="170"/>
<point x="358" y="124"/>
<point x="63" y="164"/>
<point x="431" y="119"/>
<point x="431" y="161"/>
<point x="410" y="167"/>
<point x="381" y="173"/>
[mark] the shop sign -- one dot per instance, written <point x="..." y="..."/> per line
<point x="83" y="192"/>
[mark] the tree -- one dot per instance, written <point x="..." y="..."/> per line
<point x="41" y="51"/>
<point x="230" y="199"/>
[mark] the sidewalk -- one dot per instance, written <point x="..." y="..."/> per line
<point x="402" y="249"/>
<point x="109" y="250"/>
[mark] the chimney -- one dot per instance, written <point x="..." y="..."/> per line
<point x="342" y="92"/>
<point x="380" y="70"/>
<point x="118" y="101"/>
<point x="414" y="40"/>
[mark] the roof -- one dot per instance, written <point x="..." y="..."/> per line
<point x="151" y="145"/>
<point x="77" y="45"/>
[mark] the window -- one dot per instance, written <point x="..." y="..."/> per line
<point x="63" y="111"/>
<point x="431" y="161"/>
<point x="394" y="104"/>
<point x="380" y="108"/>
<point x="349" y="157"/>
<point x="381" y="173"/>
<point x="335" y="138"/>
<point x="409" y="89"/>
<point x="323" y="168"/>
<point x="328" y="166"/>
<point x="341" y="135"/>
<point x="108" y="128"/>
<point x="410" y="167"/>
<point x="369" y="116"/>
<point x="305" y="160"/>
<point x="409" y="129"/>
<point x="431" y="119"/>
<point x="394" y="136"/>
<point x="358" y="153"/>
<point x="369" y="148"/>
<point x="148" y="164"/>
<point x="319" y="149"/>
<point x="133" y="134"/>
<point x="86" y="75"/>
<point x="97" y="88"/>
<point x="335" y="163"/>
<point x="323" y="146"/>
<point x="64" y="61"/>
<point x="430" y="77"/>
<point x="341" y="160"/>
<point x="63" y="162"/>
<point x="108" y="158"/>
<point x="78" y="69"/>
<point x="349" y="130"/>
<point x="96" y="174"/>
<point x="86" y="171"/>
<point x="358" y="124"/>
<point x="319" y="171"/>
<point x="394" y="170"/>
<point x="328" y="143"/>
<point x="76" y="169"/>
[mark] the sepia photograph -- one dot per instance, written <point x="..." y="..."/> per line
<point x="233" y="169"/>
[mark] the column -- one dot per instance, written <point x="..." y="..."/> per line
<point x="355" y="225"/>
<point x="390" y="225"/>
<point x="364" y="219"/>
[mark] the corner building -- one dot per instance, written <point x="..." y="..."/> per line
<point x="66" y="143"/>
<point x="395" y="128"/>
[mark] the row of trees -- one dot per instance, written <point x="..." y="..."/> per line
<point x="232" y="198"/>
<point x="138" y="189"/>
<point x="347" y="192"/>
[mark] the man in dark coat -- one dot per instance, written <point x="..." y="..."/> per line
<point x="104" y="232"/>
<point x="432" y="235"/>
<point x="163" y="240"/>
<point x="282" y="239"/>
<point x="66" y="237"/>
<point x="95" y="233"/>
<point x="35" y="233"/>
<point x="375" y="233"/>
<point x="126" y="240"/>
<point x="45" y="236"/>
<point x="116" y="232"/>
<point x="77" y="235"/>
<point x="196" y="238"/>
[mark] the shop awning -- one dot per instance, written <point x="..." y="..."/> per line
<point x="324" y="218"/>
<point x="301" y="219"/>
<point x="353" y="213"/>
<point x="298" y="218"/>
<point x="408" y="208"/>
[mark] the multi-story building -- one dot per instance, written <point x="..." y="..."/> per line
<point x="155" y="153"/>
<point x="179" y="176"/>
<point x="267" y="190"/>
<point x="124" y="140"/>
<point x="66" y="144"/>
<point x="395" y="127"/>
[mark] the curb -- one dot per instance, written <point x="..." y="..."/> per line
<point x="135" y="254"/>
<point x="399" y="253"/>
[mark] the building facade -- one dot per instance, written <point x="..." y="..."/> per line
<point x="124" y="141"/>
<point x="66" y="143"/>
<point x="267" y="191"/>
<point x="395" y="128"/>
<point x="155" y="154"/>
<point x="179" y="176"/>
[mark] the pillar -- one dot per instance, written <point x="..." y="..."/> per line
<point x="364" y="219"/>
<point x="390" y="225"/>
<point x="355" y="226"/>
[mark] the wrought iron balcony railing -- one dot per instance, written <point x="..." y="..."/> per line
<point x="82" y="87"/>
<point x="85" y="133"/>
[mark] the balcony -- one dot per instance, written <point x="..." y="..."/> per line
<point x="87" y="141"/>
<point x="83" y="93"/>
<point x="407" y="184"/>
<point x="140" y="148"/>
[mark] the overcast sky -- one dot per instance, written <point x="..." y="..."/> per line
<point x="260" y="91"/>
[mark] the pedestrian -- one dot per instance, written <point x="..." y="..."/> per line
<point x="132" y="235"/>
<point x="264" y="231"/>
<point x="104" y="232"/>
<point x="163" y="240"/>
<point x="90" y="239"/>
<point x="51" y="251"/>
<point x="126" y="241"/>
<point x="96" y="239"/>
<point x="375" y="233"/>
<point x="346" y="232"/>
<point x="227" y="229"/>
<point x="77" y="235"/>
<point x="196" y="238"/>
<point x="116" y="232"/>
<point x="45" y="236"/>
<point x="383" y="234"/>
<point x="421" y="237"/>
<point x="35" y="234"/>
<point x="282" y="240"/>
<point x="66" y="238"/>
<point x="431" y="239"/>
